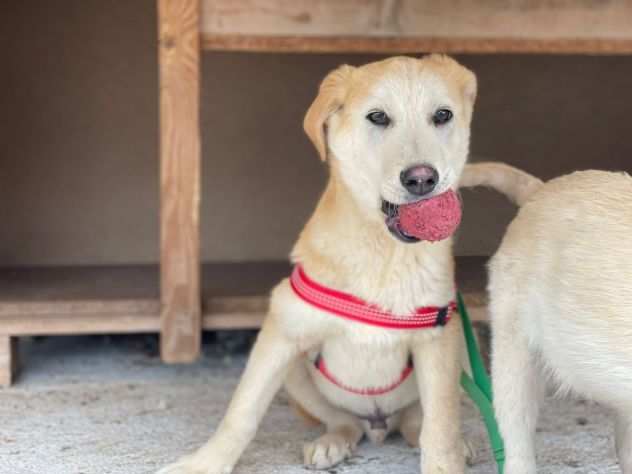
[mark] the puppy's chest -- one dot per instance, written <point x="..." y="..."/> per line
<point x="365" y="379"/>
<point x="402" y="291"/>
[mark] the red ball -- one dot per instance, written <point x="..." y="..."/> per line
<point x="431" y="219"/>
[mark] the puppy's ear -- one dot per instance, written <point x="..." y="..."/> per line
<point x="464" y="79"/>
<point x="331" y="96"/>
<point x="468" y="84"/>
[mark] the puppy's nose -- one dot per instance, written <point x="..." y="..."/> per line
<point x="419" y="180"/>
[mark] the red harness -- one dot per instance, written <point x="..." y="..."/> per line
<point x="350" y="307"/>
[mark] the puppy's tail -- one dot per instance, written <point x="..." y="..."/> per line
<point x="516" y="184"/>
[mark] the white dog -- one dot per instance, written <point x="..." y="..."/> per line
<point x="394" y="132"/>
<point x="561" y="300"/>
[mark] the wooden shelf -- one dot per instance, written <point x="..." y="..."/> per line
<point x="79" y="300"/>
<point x="125" y="299"/>
<point x="414" y="26"/>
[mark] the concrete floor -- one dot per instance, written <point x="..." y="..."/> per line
<point x="107" y="405"/>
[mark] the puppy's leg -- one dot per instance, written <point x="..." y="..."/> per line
<point x="438" y="367"/>
<point x="624" y="441"/>
<point x="264" y="374"/>
<point x="343" y="429"/>
<point x="410" y="426"/>
<point x="516" y="388"/>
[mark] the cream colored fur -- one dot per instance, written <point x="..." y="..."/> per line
<point x="346" y="245"/>
<point x="561" y="301"/>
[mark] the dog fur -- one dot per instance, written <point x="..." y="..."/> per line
<point x="560" y="290"/>
<point x="346" y="245"/>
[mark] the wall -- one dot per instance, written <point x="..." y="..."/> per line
<point x="78" y="136"/>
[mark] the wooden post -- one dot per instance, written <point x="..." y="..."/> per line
<point x="179" y="59"/>
<point x="8" y="359"/>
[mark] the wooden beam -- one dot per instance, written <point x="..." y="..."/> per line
<point x="231" y="321"/>
<point x="532" y="19"/>
<point x="415" y="26"/>
<point x="179" y="59"/>
<point x="72" y="324"/>
<point x="412" y="45"/>
<point x="8" y="359"/>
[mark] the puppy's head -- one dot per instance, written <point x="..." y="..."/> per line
<point x="394" y="131"/>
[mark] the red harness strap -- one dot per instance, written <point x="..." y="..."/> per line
<point x="369" y="392"/>
<point x="349" y="307"/>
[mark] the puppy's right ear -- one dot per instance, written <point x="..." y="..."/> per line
<point x="331" y="96"/>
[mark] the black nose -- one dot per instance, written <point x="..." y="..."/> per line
<point x="419" y="180"/>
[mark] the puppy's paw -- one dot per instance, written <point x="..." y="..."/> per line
<point x="327" y="451"/>
<point x="191" y="465"/>
<point x="377" y="437"/>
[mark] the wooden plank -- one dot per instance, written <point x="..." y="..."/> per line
<point x="388" y="26"/>
<point x="230" y="321"/>
<point x="58" y="324"/>
<point x="412" y="45"/>
<point x="180" y="179"/>
<point x="8" y="360"/>
<point x="29" y="310"/>
<point x="532" y="19"/>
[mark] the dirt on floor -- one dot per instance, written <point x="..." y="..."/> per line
<point x="99" y="405"/>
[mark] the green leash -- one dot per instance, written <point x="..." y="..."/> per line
<point x="479" y="388"/>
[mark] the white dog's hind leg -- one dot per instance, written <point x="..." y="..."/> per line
<point x="343" y="429"/>
<point x="624" y="441"/>
<point x="516" y="386"/>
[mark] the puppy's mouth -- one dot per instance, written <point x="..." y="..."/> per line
<point x="392" y="223"/>
<point x="432" y="219"/>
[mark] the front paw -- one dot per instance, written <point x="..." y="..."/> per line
<point x="327" y="451"/>
<point x="450" y="462"/>
<point x="195" y="465"/>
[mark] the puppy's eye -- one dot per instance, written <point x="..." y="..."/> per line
<point x="442" y="116"/>
<point x="379" y="117"/>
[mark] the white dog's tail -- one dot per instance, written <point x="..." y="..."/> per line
<point x="516" y="184"/>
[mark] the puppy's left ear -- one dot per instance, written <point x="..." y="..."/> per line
<point x="331" y="95"/>
<point x="464" y="79"/>
<point x="468" y="84"/>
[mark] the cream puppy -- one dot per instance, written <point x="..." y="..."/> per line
<point x="393" y="132"/>
<point x="561" y="300"/>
